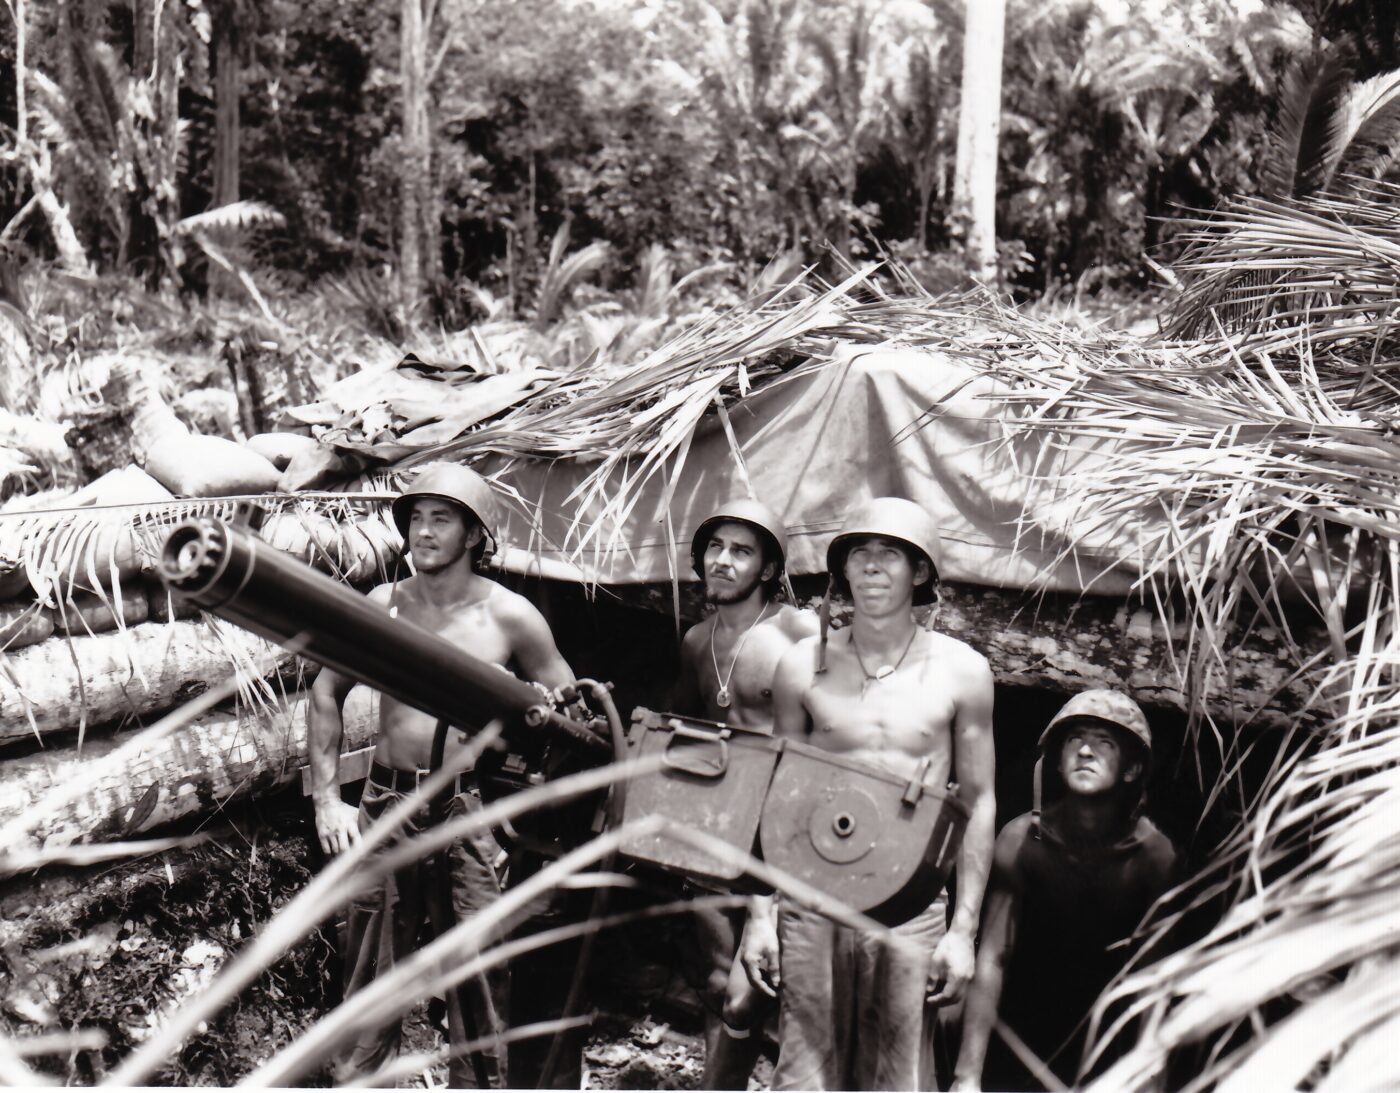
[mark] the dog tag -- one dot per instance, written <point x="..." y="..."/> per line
<point x="722" y="698"/>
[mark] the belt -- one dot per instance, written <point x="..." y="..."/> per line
<point x="406" y="781"/>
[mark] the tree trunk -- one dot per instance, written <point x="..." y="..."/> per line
<point x="215" y="759"/>
<point x="70" y="252"/>
<point x="416" y="160"/>
<point x="153" y="201"/>
<point x="62" y="683"/>
<point x="979" y="126"/>
<point x="227" y="83"/>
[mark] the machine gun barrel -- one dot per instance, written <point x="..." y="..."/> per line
<point x="230" y="572"/>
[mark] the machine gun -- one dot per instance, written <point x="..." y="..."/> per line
<point x="229" y="571"/>
<point x="883" y="845"/>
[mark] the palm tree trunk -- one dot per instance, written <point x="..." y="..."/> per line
<point x="979" y="126"/>
<point x="413" y="177"/>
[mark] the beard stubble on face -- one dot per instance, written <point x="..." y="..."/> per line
<point x="723" y="596"/>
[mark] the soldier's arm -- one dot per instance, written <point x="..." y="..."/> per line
<point x="532" y="646"/>
<point x="999" y="920"/>
<point x="758" y="952"/>
<point x="685" y="696"/>
<point x="336" y="822"/>
<point x="974" y="762"/>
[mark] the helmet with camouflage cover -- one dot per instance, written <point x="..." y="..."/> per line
<point x="754" y="514"/>
<point x="460" y="486"/>
<point x="1104" y="705"/>
<point x="889" y="518"/>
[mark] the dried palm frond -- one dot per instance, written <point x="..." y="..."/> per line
<point x="1237" y="475"/>
<point x="1328" y="264"/>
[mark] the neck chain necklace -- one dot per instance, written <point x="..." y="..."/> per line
<point x="885" y="670"/>
<point x="722" y="698"/>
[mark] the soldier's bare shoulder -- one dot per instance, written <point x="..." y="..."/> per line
<point x="697" y="635"/>
<point x="507" y="606"/>
<point x="796" y="623"/>
<point x="957" y="652"/>
<point x="802" y="656"/>
<point x="381" y="593"/>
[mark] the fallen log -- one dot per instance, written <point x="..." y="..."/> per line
<point x="66" y="682"/>
<point x="215" y="759"/>
<point x="1064" y="644"/>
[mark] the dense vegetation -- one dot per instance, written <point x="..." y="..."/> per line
<point x="726" y="131"/>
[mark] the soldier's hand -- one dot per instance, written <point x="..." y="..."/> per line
<point x="759" y="955"/>
<point x="950" y="969"/>
<point x="337" y="825"/>
<point x="965" y="1085"/>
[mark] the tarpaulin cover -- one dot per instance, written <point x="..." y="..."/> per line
<point x="906" y="423"/>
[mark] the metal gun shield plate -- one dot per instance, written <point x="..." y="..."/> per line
<point x="881" y="844"/>
<point x="713" y="779"/>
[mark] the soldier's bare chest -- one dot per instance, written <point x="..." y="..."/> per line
<point x="473" y="627"/>
<point x="737" y="666"/>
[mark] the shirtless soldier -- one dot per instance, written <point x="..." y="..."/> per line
<point x="447" y="518"/>
<point x="727" y="666"/>
<point x="891" y="694"/>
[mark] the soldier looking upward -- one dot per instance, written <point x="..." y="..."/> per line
<point x="727" y="666"/>
<point x="1067" y="883"/>
<point x="892" y="694"/>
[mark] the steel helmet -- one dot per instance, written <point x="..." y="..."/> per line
<point x="890" y="518"/>
<point x="744" y="510"/>
<point x="1103" y="704"/>
<point x="457" y="484"/>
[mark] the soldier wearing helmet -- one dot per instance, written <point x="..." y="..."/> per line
<point x="916" y="703"/>
<point x="727" y="666"/>
<point x="1070" y="879"/>
<point x="448" y="521"/>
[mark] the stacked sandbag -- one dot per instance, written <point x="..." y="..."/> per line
<point x="91" y="643"/>
<point x="187" y="463"/>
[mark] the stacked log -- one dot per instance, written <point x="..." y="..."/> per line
<point x="217" y="758"/>
<point x="59" y="684"/>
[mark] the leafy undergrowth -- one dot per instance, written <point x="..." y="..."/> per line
<point x="116" y="949"/>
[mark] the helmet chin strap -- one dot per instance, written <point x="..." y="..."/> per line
<point x="824" y="616"/>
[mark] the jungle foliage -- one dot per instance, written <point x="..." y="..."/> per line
<point x="726" y="131"/>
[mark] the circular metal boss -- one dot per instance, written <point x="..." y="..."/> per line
<point x="845" y="825"/>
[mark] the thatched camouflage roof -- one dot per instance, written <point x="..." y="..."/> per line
<point x="1256" y="469"/>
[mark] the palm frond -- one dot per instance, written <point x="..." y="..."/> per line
<point x="562" y="273"/>
<point x="1304" y="141"/>
<point x="239" y="216"/>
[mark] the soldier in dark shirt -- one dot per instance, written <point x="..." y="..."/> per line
<point x="1068" y="881"/>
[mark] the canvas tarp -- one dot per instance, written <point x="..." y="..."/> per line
<point x="908" y="423"/>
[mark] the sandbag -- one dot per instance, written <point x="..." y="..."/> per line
<point x="188" y="464"/>
<point x="194" y="465"/>
<point x="280" y="449"/>
<point x="318" y="467"/>
<point x="122" y="486"/>
<point x="368" y="549"/>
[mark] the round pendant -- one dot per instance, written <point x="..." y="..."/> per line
<point x="884" y="671"/>
<point x="722" y="698"/>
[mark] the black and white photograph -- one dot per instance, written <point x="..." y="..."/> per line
<point x="700" y="544"/>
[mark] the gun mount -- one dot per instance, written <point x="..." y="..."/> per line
<point x="230" y="572"/>
<point x="829" y="820"/>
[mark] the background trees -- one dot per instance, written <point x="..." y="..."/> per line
<point x="425" y="149"/>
